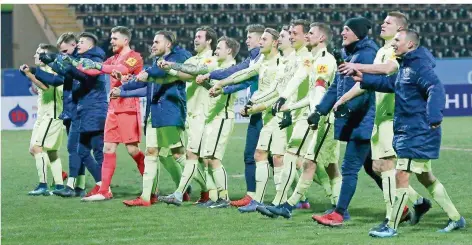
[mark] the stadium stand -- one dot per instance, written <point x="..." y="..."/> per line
<point x="435" y="22"/>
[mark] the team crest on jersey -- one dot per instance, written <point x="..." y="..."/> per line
<point x="131" y="61"/>
<point x="322" y="69"/>
<point x="307" y="63"/>
<point x="207" y="61"/>
<point x="406" y="73"/>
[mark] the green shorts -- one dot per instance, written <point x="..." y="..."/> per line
<point x="169" y="137"/>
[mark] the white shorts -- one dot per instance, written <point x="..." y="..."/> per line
<point x="272" y="138"/>
<point x="323" y="148"/>
<point x="416" y="166"/>
<point x="216" y="138"/>
<point x="301" y="136"/>
<point x="47" y="133"/>
<point x="195" y="127"/>
<point x="151" y="136"/>
<point x="382" y="141"/>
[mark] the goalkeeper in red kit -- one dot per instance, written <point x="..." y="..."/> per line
<point x="123" y="123"/>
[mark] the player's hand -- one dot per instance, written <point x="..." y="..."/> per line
<point x="243" y="112"/>
<point x="116" y="75"/>
<point x="314" y="119"/>
<point x="142" y="76"/>
<point x="115" y="93"/>
<point x="165" y="65"/>
<point x="347" y="68"/>
<point x="286" y="120"/>
<point x="25" y="69"/>
<point x="201" y="78"/>
<point x="278" y="104"/>
<point x="435" y="125"/>
<point x="338" y="103"/>
<point x="342" y="111"/>
<point x="88" y="64"/>
<point x="215" y="92"/>
<point x="47" y="58"/>
<point x="284" y="108"/>
<point x="357" y="75"/>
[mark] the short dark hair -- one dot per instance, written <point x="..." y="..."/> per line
<point x="402" y="20"/>
<point x="413" y="36"/>
<point x="275" y="34"/>
<point x="232" y="44"/>
<point x="210" y="34"/>
<point x="257" y="28"/>
<point x="300" y="22"/>
<point x="168" y="35"/>
<point x="66" y="37"/>
<point x="90" y="36"/>
<point x="325" y="28"/>
<point x="122" y="30"/>
<point x="48" y="47"/>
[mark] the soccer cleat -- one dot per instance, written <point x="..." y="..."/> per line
<point x="64" y="192"/>
<point x="98" y="197"/>
<point x="94" y="191"/>
<point x="170" y="199"/>
<point x="251" y="207"/>
<point x="280" y="210"/>
<point x="186" y="197"/>
<point x="406" y="215"/>
<point x="332" y="219"/>
<point x="454" y="225"/>
<point x="64" y="176"/>
<point x="137" y="202"/>
<point x="419" y="210"/>
<point x="40" y="191"/>
<point x="79" y="192"/>
<point x="262" y="209"/>
<point x="154" y="198"/>
<point x="379" y="226"/>
<point x="205" y="204"/>
<point x="346" y="215"/>
<point x="242" y="202"/>
<point x="204" y="197"/>
<point x="383" y="232"/>
<point x="303" y="204"/>
<point x="220" y="203"/>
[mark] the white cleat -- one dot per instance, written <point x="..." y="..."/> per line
<point x="97" y="197"/>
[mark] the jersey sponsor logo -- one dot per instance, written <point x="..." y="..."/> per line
<point x="18" y="116"/>
<point x="131" y="61"/>
<point x="207" y="61"/>
<point x="322" y="69"/>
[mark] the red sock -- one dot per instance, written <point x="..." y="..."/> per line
<point x="139" y="159"/>
<point x="108" y="169"/>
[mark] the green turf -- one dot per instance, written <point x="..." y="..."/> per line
<point x="54" y="220"/>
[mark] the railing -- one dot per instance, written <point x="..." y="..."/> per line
<point x="43" y="22"/>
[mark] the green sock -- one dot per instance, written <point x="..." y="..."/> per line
<point x="80" y="182"/>
<point x="440" y="195"/>
<point x="155" y="185"/>
<point x="173" y="167"/>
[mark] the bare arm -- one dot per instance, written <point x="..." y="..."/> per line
<point x="38" y="83"/>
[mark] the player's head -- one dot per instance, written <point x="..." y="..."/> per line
<point x="205" y="38"/>
<point x="162" y="43"/>
<point x="394" y="22"/>
<point x="227" y="47"/>
<point x="319" y="33"/>
<point x="297" y="31"/>
<point x="43" y="48"/>
<point x="120" y="38"/>
<point x="405" y="41"/>
<point x="355" y="29"/>
<point x="284" y="39"/>
<point x="86" y="42"/>
<point x="254" y="33"/>
<point x="269" y="40"/>
<point x="67" y="42"/>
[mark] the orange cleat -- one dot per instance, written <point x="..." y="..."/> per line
<point x="137" y="202"/>
<point x="331" y="219"/>
<point x="204" y="197"/>
<point x="241" y="202"/>
<point x="94" y="191"/>
<point x="186" y="197"/>
<point x="406" y="215"/>
<point x="100" y="196"/>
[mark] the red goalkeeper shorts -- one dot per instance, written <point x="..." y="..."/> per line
<point x="123" y="127"/>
